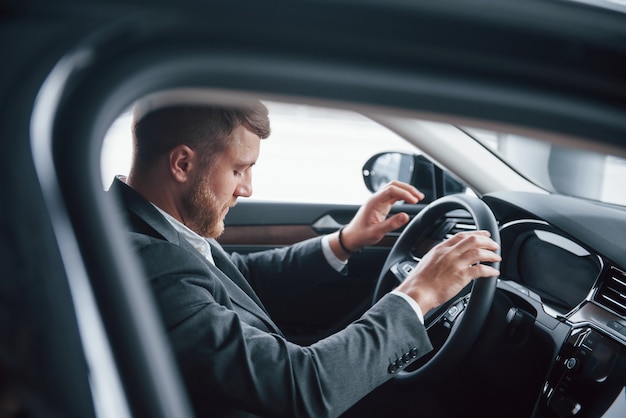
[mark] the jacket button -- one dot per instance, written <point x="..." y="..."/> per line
<point x="392" y="368"/>
<point x="413" y="352"/>
<point x="406" y="358"/>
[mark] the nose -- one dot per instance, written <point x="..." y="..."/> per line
<point x="244" y="188"/>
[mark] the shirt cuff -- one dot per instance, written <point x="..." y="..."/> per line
<point x="332" y="259"/>
<point x="340" y="266"/>
<point x="412" y="303"/>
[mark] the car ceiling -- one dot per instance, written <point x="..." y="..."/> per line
<point x="521" y="62"/>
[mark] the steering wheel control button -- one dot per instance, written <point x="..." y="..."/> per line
<point x="402" y="270"/>
<point x="571" y="363"/>
<point x="407" y="268"/>
<point x="565" y="406"/>
<point x="454" y="311"/>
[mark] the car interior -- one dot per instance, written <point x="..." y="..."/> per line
<point x="81" y="334"/>
<point x="543" y="340"/>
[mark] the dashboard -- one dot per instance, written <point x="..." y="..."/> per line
<point x="559" y="270"/>
<point x="570" y="252"/>
<point x="564" y="259"/>
<point x="557" y="325"/>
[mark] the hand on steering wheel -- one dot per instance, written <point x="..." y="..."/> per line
<point x="444" y="271"/>
<point x="447" y="268"/>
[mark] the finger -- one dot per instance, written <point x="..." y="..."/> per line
<point x="406" y="186"/>
<point x="395" y="221"/>
<point x="397" y="191"/>
<point x="459" y="236"/>
<point x="481" y="270"/>
<point x="482" y="232"/>
<point x="392" y="223"/>
<point x="480" y="255"/>
<point x="464" y="241"/>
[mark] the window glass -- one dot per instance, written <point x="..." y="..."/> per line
<point x="313" y="154"/>
<point x="317" y="155"/>
<point x="116" y="154"/>
<point x="569" y="171"/>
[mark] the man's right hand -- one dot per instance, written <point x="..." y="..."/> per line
<point x="449" y="266"/>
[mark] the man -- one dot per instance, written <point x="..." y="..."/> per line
<point x="190" y="165"/>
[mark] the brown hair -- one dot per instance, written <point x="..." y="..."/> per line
<point x="204" y="128"/>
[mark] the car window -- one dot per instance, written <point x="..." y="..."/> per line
<point x="295" y="164"/>
<point x="568" y="171"/>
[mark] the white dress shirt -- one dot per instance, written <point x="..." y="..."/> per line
<point x="197" y="241"/>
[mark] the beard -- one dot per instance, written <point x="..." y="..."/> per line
<point x="203" y="214"/>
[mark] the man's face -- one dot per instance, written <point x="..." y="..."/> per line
<point x="215" y="189"/>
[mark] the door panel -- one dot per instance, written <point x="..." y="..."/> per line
<point x="256" y="226"/>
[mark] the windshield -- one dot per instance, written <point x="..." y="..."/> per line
<point x="567" y="171"/>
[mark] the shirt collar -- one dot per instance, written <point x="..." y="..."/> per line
<point x="197" y="241"/>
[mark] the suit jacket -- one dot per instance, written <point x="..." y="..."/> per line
<point x="233" y="358"/>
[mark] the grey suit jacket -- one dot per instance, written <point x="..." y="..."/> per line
<point x="233" y="358"/>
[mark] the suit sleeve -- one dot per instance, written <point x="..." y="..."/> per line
<point x="227" y="361"/>
<point x="287" y="271"/>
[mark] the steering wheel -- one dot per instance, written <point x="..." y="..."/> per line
<point x="458" y="322"/>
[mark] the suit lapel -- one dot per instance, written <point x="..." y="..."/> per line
<point x="239" y="290"/>
<point x="223" y="263"/>
<point x="139" y="208"/>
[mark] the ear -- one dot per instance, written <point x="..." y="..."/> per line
<point x="182" y="160"/>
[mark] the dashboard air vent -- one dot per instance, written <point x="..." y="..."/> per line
<point x="460" y="221"/>
<point x="612" y="292"/>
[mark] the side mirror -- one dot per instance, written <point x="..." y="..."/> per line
<point x="414" y="169"/>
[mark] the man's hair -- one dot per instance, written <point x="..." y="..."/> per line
<point x="206" y="129"/>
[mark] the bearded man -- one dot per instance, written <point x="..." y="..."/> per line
<point x="191" y="163"/>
